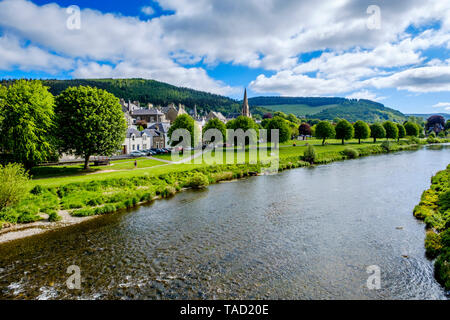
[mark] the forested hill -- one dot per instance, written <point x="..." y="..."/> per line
<point x="325" y="108"/>
<point x="150" y="91"/>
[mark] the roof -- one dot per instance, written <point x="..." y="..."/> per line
<point x="131" y="131"/>
<point x="146" y="112"/>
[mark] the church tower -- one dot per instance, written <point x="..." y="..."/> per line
<point x="245" y="106"/>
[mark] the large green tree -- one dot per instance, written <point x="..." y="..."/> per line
<point x="183" y="121"/>
<point x="377" y="131"/>
<point x="216" y="124"/>
<point x="412" y="129"/>
<point x="324" y="130"/>
<point x="278" y="123"/>
<point x="401" y="131"/>
<point x="391" y="130"/>
<point x="362" y="130"/>
<point x="90" y="122"/>
<point x="344" y="130"/>
<point x="244" y="123"/>
<point x="27" y="123"/>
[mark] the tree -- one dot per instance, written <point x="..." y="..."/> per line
<point x="391" y="130"/>
<point x="447" y="125"/>
<point x="377" y="131"/>
<point x="216" y="124"/>
<point x="292" y="118"/>
<point x="278" y="123"/>
<point x="244" y="123"/>
<point x="267" y="116"/>
<point x="401" y="131"/>
<point x="412" y="129"/>
<point x="90" y="122"/>
<point x="280" y="114"/>
<point x="362" y="130"/>
<point x="344" y="130"/>
<point x="435" y="120"/>
<point x="325" y="130"/>
<point x="183" y="121"/>
<point x="14" y="184"/>
<point x="304" y="129"/>
<point x="27" y="123"/>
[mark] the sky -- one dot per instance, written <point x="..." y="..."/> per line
<point x="393" y="52"/>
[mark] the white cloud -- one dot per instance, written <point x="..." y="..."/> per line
<point x="365" y="94"/>
<point x="442" y="105"/>
<point x="147" y="10"/>
<point x="268" y="34"/>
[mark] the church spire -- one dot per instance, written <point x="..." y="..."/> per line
<point x="245" y="106"/>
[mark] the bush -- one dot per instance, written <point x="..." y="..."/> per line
<point x="198" y="181"/>
<point x="54" y="217"/>
<point x="83" y="212"/>
<point x="14" y="184"/>
<point x="442" y="269"/>
<point x="387" y="146"/>
<point x="351" y="153"/>
<point x="28" y="217"/>
<point x="433" y="244"/>
<point x="310" y="155"/>
<point x="37" y="190"/>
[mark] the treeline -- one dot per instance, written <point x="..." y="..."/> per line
<point x="310" y="101"/>
<point x="149" y="91"/>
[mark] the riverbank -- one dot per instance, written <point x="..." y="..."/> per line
<point x="73" y="202"/>
<point x="434" y="209"/>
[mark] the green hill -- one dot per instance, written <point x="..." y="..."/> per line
<point x="150" y="91"/>
<point x="330" y="108"/>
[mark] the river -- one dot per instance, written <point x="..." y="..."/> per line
<point x="307" y="233"/>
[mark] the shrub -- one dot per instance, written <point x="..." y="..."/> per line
<point x="28" y="217"/>
<point x="83" y="212"/>
<point x="310" y="154"/>
<point x="14" y="184"/>
<point x="442" y="269"/>
<point x="433" y="244"/>
<point x="37" y="190"/>
<point x="387" y="146"/>
<point x="351" y="153"/>
<point x="198" y="181"/>
<point x="54" y="217"/>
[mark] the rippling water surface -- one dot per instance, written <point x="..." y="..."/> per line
<point x="307" y="233"/>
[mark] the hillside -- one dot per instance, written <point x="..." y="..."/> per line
<point x="425" y="116"/>
<point x="330" y="108"/>
<point x="150" y="91"/>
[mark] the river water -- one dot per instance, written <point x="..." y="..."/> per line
<point x="307" y="233"/>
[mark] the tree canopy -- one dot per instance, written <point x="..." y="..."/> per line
<point x="183" y="121"/>
<point x="362" y="130"/>
<point x="304" y="129"/>
<point x="391" y="130"/>
<point x="401" y="131"/>
<point x="344" y="130"/>
<point x="278" y="123"/>
<point x="27" y="122"/>
<point x="216" y="124"/>
<point x="324" y="130"/>
<point x="433" y="120"/>
<point x="90" y="122"/>
<point x="377" y="131"/>
<point x="412" y="129"/>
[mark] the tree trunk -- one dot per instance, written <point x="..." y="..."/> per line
<point x="359" y="141"/>
<point x="374" y="140"/>
<point x="343" y="141"/>
<point x="323" y="142"/>
<point x="86" y="162"/>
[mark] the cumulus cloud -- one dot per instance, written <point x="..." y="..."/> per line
<point x="365" y="94"/>
<point x="147" y="10"/>
<point x="442" y="105"/>
<point x="267" y="34"/>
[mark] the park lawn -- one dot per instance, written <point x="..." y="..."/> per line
<point x="77" y="169"/>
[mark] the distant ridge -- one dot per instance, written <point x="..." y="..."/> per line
<point x="427" y="115"/>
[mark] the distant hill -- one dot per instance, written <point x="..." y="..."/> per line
<point x="150" y="91"/>
<point x="425" y="116"/>
<point x="330" y="108"/>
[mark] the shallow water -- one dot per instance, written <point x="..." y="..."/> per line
<point x="307" y="233"/>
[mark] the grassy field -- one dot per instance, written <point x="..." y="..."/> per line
<point x="299" y="110"/>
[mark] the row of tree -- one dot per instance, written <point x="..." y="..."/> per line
<point x="37" y="127"/>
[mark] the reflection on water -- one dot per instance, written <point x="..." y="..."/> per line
<point x="303" y="234"/>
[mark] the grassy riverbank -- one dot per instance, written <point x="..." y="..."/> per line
<point x="434" y="209"/>
<point x="109" y="191"/>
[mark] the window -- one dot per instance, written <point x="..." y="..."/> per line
<point x="138" y="147"/>
<point x="144" y="146"/>
<point x="132" y="138"/>
<point x="133" y="147"/>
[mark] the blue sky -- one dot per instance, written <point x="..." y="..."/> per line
<point x="394" y="52"/>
